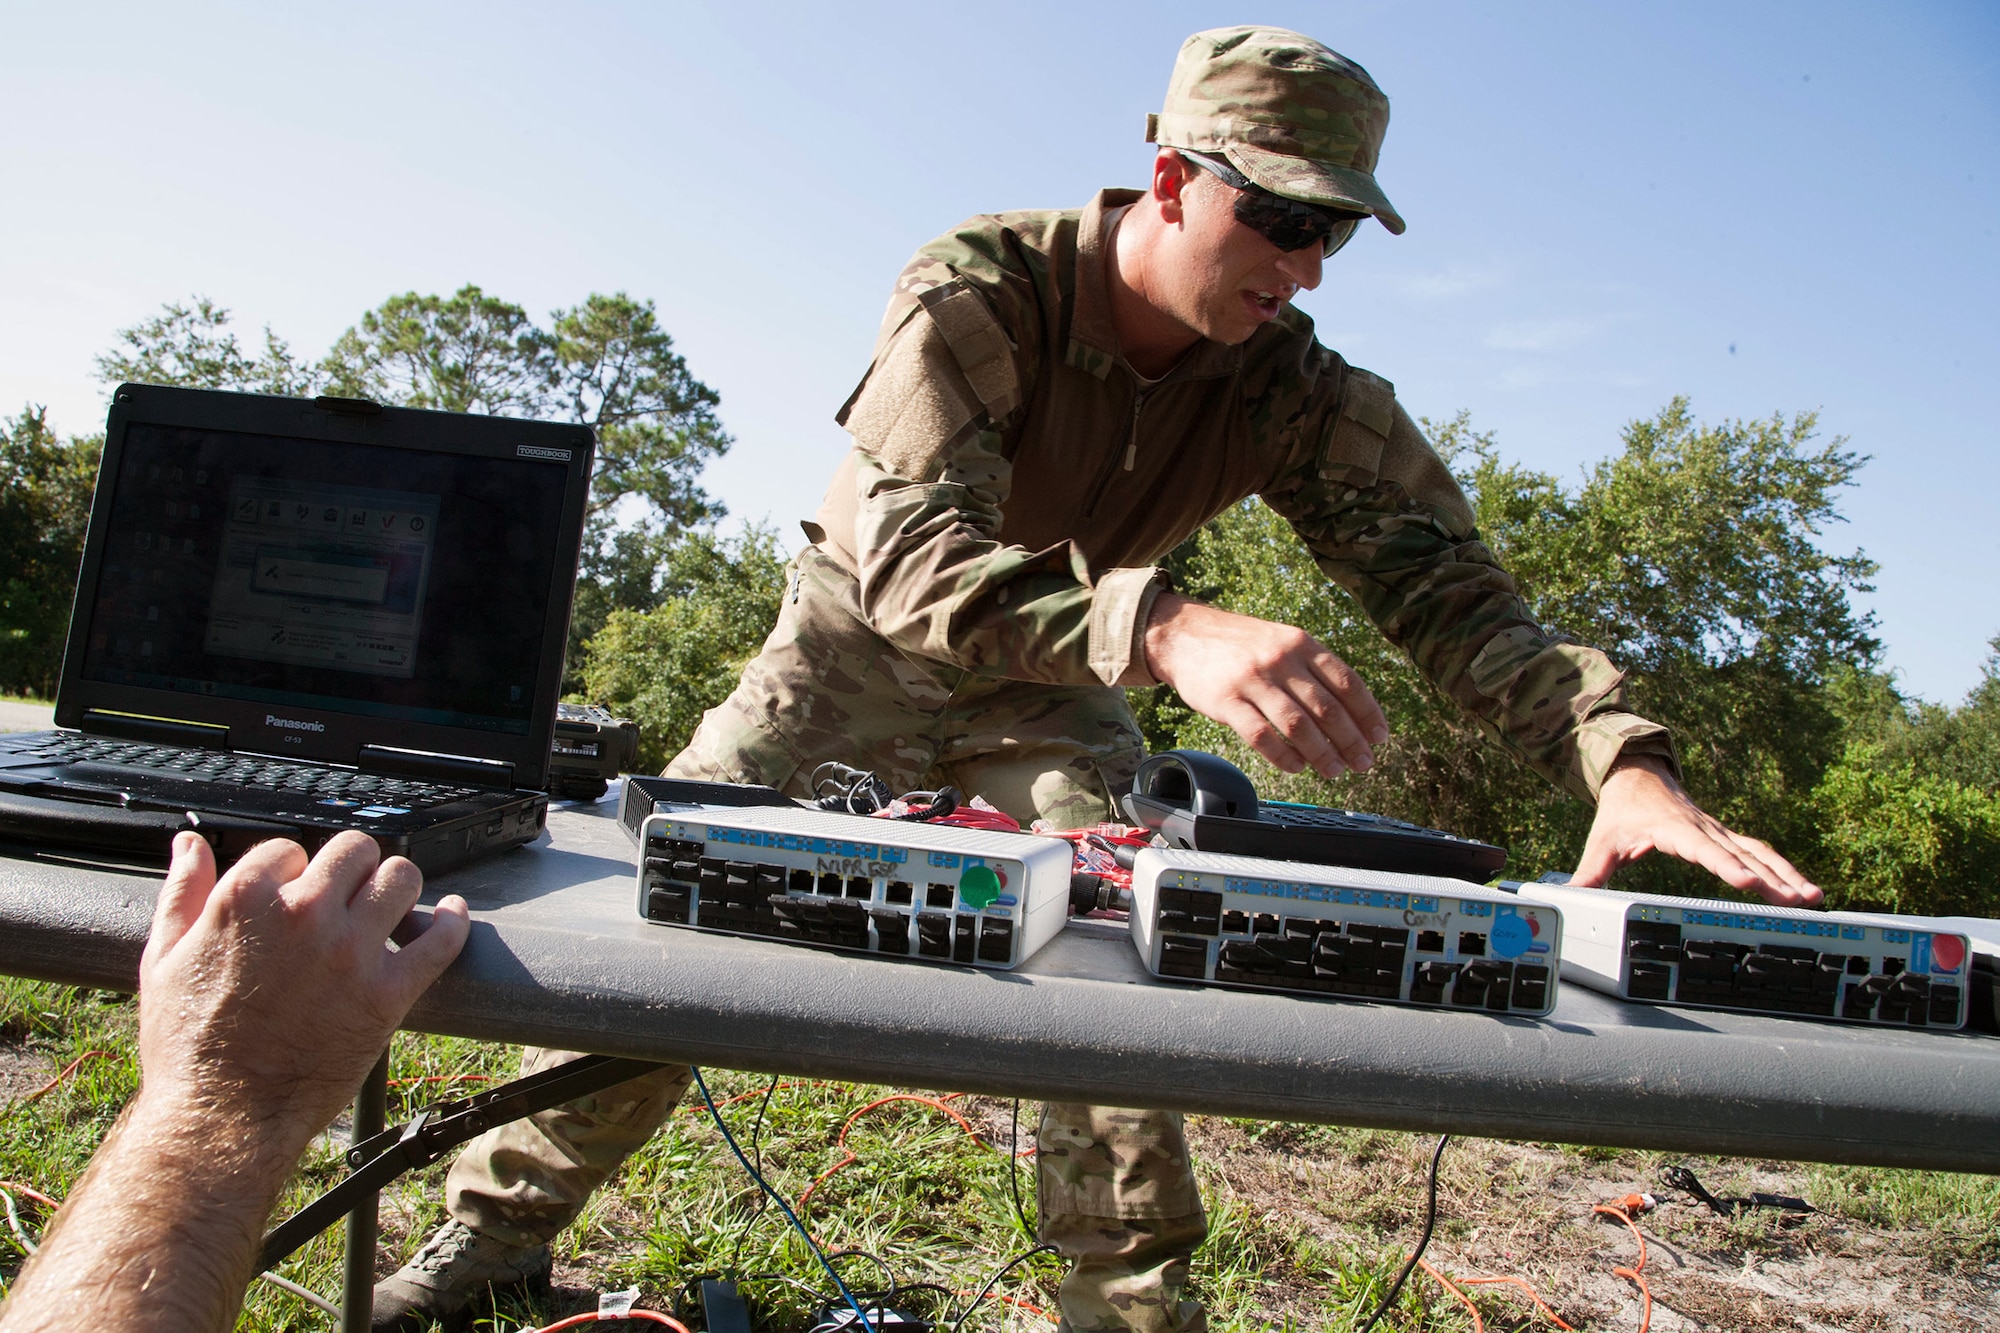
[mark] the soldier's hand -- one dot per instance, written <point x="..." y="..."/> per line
<point x="1641" y="808"/>
<point x="1277" y="687"/>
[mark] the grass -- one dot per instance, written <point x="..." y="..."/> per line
<point x="1308" y="1223"/>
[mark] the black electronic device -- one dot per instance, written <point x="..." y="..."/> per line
<point x="591" y="747"/>
<point x="295" y="617"/>
<point x="651" y="796"/>
<point x="1202" y="802"/>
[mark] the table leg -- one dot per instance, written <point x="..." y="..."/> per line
<point x="371" y="1108"/>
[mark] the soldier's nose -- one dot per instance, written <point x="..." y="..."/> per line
<point x="1302" y="266"/>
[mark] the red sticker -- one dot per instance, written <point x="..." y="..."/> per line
<point x="1948" y="951"/>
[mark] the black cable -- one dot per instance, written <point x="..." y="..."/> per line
<point x="812" y="1245"/>
<point x="881" y="1295"/>
<point x="1014" y="1169"/>
<point x="757" y="1152"/>
<point x="938" y="804"/>
<point x="1430" y="1220"/>
<point x="991" y="1282"/>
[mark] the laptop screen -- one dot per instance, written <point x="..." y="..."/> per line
<point x="309" y="574"/>
<point x="317" y="580"/>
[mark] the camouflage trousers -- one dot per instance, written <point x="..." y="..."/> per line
<point x="1116" y="1188"/>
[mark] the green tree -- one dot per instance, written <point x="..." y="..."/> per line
<point x="1959" y="743"/>
<point x="1897" y="839"/>
<point x="192" y="346"/>
<point x="468" y="352"/>
<point x="45" y="491"/>
<point x="615" y="370"/>
<point x="605" y="363"/>
<point x="664" y="667"/>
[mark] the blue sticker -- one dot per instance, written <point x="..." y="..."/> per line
<point x="1511" y="937"/>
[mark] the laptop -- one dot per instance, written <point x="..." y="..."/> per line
<point x="295" y="617"/>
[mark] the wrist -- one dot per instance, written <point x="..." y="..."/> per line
<point x="1157" y="638"/>
<point x="231" y="1149"/>
<point x="1629" y="767"/>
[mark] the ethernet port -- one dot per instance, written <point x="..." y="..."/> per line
<point x="801" y="881"/>
<point x="901" y="892"/>
<point x="860" y="886"/>
<point x="1471" y="944"/>
<point x="1430" y="941"/>
<point x="829" y="884"/>
<point x="1891" y="966"/>
<point x="940" y="895"/>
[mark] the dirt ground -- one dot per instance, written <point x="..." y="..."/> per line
<point x="1525" y="1210"/>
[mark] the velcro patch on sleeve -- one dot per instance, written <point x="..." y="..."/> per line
<point x="978" y="343"/>
<point x="1353" y="452"/>
<point x="911" y="406"/>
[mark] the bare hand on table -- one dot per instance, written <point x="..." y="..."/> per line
<point x="1641" y="808"/>
<point x="263" y="1001"/>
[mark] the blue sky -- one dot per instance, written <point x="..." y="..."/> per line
<point x="1769" y="208"/>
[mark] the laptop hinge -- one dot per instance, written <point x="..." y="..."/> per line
<point x="435" y="767"/>
<point x="154" y="730"/>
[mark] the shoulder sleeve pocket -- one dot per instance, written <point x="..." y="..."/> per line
<point x="1353" y="451"/>
<point x="978" y="343"/>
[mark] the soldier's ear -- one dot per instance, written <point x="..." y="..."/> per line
<point x="1170" y="178"/>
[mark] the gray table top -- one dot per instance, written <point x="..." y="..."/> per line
<point x="559" y="956"/>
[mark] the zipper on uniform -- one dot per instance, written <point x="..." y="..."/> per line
<point x="1131" y="454"/>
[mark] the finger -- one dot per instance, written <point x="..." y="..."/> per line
<point x="190" y="879"/>
<point x="1783" y="885"/>
<point x="1342" y="733"/>
<point x="339" y="872"/>
<point x="1356" y="699"/>
<point x="1716" y="856"/>
<point x="259" y="876"/>
<point x="423" y="959"/>
<point x="1603" y="857"/>
<point x="1300" y="733"/>
<point x="387" y="897"/>
<point x="1248" y="722"/>
<point x="1324" y="711"/>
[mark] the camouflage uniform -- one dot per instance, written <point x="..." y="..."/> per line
<point x="982" y="571"/>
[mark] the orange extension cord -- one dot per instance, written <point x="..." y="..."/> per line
<point x="57" y="1081"/>
<point x="1622" y="1210"/>
<point x="849" y="1157"/>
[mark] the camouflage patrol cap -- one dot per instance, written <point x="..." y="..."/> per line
<point x="1299" y="119"/>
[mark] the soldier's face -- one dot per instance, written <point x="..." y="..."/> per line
<point x="1223" y="280"/>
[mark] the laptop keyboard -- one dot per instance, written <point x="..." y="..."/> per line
<point x="331" y="786"/>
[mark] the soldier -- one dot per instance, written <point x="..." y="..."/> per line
<point x="1056" y="400"/>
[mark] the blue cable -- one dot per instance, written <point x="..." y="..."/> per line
<point x="778" y="1199"/>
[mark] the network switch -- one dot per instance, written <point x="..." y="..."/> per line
<point x="1755" y="958"/>
<point x="1327" y="930"/>
<point x="877" y="885"/>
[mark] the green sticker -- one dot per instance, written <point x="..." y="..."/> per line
<point x="978" y="887"/>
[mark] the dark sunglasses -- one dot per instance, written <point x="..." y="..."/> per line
<point x="1285" y="223"/>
